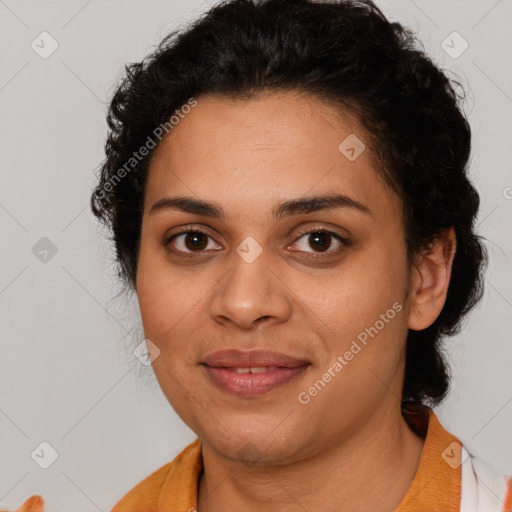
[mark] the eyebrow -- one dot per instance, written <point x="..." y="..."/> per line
<point x="301" y="205"/>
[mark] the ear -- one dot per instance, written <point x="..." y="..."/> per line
<point x="430" y="279"/>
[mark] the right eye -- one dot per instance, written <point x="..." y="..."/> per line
<point x="192" y="241"/>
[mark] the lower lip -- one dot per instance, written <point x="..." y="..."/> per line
<point x="252" y="384"/>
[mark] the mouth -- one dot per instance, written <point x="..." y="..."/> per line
<point x="254" y="369"/>
<point x="252" y="373"/>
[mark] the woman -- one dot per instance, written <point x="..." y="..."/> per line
<point x="286" y="186"/>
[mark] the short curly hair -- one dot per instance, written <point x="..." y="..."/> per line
<point x="345" y="52"/>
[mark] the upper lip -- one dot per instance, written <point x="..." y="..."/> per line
<point x="234" y="358"/>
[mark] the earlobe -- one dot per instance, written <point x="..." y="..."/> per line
<point x="430" y="280"/>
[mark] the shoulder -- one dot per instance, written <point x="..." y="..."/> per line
<point x="145" y="495"/>
<point x="33" y="504"/>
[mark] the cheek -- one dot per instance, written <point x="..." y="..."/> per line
<point x="161" y="302"/>
<point x="167" y="313"/>
<point x="351" y="298"/>
<point x="365" y="312"/>
<point x="170" y="299"/>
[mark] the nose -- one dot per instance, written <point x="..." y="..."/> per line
<point x="249" y="295"/>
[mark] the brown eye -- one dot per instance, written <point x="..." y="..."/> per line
<point x="192" y="241"/>
<point x="320" y="241"/>
<point x="196" y="241"/>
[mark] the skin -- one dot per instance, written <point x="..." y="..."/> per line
<point x="271" y="452"/>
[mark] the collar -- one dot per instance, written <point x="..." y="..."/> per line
<point x="437" y="482"/>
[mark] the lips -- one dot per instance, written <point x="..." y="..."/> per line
<point x="252" y="373"/>
<point x="255" y="358"/>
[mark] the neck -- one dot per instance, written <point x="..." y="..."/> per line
<point x="370" y="469"/>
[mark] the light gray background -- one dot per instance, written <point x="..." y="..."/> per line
<point x="67" y="373"/>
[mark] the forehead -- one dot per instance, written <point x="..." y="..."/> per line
<point x="275" y="145"/>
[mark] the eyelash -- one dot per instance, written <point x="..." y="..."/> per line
<point x="315" y="255"/>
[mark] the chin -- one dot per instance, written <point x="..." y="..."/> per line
<point x="253" y="445"/>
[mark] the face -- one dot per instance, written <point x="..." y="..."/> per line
<point x="249" y="262"/>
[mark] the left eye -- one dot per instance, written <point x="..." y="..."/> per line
<point x="319" y="241"/>
<point x="193" y="241"/>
